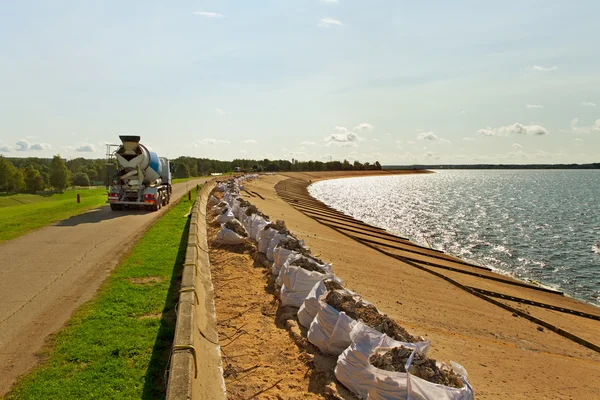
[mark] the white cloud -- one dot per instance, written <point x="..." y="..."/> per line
<point x="222" y="112"/>
<point x="516" y="129"/>
<point x="575" y="128"/>
<point x="212" y="142"/>
<point x="40" y="146"/>
<point x="540" y="68"/>
<point x="468" y="139"/>
<point x="432" y="137"/>
<point x="308" y="143"/>
<point x="86" y="148"/>
<point x="427" y="136"/>
<point x="533" y="106"/>
<point x="364" y="127"/>
<point x="411" y="142"/>
<point x="463" y="112"/>
<point x="208" y="14"/>
<point x="250" y="141"/>
<point x="517" y="146"/>
<point x="587" y="104"/>
<point x="329" y="22"/>
<point x="343" y="137"/>
<point x="578" y="141"/>
<point x="24" y="145"/>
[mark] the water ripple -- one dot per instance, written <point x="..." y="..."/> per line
<point x="542" y="225"/>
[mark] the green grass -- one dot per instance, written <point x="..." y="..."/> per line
<point x="22" y="213"/>
<point x="179" y="180"/>
<point x="117" y="345"/>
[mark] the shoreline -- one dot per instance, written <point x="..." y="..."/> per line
<point x="483" y="335"/>
<point x="494" y="269"/>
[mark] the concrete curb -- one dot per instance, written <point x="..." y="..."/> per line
<point x="196" y="371"/>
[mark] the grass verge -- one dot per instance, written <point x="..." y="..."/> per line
<point x="117" y="345"/>
<point x="23" y="213"/>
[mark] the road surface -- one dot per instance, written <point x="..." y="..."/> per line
<point x="46" y="275"/>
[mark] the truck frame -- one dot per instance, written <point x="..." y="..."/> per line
<point x="130" y="186"/>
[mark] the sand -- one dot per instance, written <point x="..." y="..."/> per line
<point x="507" y="357"/>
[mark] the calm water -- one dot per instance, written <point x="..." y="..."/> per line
<point x="531" y="224"/>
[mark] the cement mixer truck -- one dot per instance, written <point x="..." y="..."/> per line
<point x="142" y="178"/>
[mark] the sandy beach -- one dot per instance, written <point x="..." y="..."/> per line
<point x="506" y="355"/>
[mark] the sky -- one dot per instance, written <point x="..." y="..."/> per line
<point x="399" y="82"/>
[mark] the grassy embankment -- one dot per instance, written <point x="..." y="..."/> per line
<point x="117" y="346"/>
<point x="22" y="213"/>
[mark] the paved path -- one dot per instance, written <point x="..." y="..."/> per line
<point x="46" y="275"/>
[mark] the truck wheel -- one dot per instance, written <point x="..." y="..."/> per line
<point x="116" y="207"/>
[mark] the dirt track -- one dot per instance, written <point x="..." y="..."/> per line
<point x="46" y="275"/>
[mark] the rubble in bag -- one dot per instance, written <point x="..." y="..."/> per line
<point x="332" y="284"/>
<point x="236" y="226"/>
<point x="368" y="314"/>
<point x="243" y="203"/>
<point x="225" y="209"/>
<point x="251" y="209"/>
<point x="279" y="226"/>
<point x="425" y="368"/>
<point x="308" y="264"/>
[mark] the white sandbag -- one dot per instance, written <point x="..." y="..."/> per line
<point x="221" y="187"/>
<point x="212" y="201"/>
<point x="420" y="389"/>
<point x="298" y="282"/>
<point x="218" y="208"/>
<point x="227" y="236"/>
<point x="354" y="370"/>
<point x="235" y="208"/>
<point x="330" y="329"/>
<point x="264" y="239"/>
<point x="308" y="309"/>
<point x="280" y="256"/>
<point x="222" y="218"/>
<point x="295" y="294"/>
<point x="274" y="242"/>
<point x="254" y="225"/>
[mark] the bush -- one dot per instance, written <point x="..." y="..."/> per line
<point x="81" y="179"/>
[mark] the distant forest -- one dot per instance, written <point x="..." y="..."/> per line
<point x="37" y="174"/>
<point x="497" y="166"/>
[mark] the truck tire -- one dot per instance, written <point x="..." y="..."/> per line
<point x="116" y="207"/>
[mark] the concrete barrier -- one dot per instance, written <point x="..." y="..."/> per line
<point x="196" y="371"/>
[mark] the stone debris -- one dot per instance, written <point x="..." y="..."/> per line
<point x="308" y="265"/>
<point x="279" y="226"/>
<point x="369" y="315"/>
<point x="237" y="227"/>
<point x="251" y="209"/>
<point x="332" y="284"/>
<point x="425" y="368"/>
<point x="243" y="203"/>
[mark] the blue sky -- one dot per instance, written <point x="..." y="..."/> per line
<point x="393" y="81"/>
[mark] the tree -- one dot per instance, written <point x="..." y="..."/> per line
<point x="182" y="171"/>
<point x="81" y="179"/>
<point x="33" y="179"/>
<point x="6" y="170"/>
<point x="16" y="181"/>
<point x="59" y="174"/>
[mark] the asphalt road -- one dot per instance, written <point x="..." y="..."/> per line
<point x="46" y="275"/>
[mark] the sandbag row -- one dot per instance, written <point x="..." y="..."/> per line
<point x="376" y="357"/>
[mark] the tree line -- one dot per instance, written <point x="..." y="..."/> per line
<point x="33" y="175"/>
<point x="185" y="167"/>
